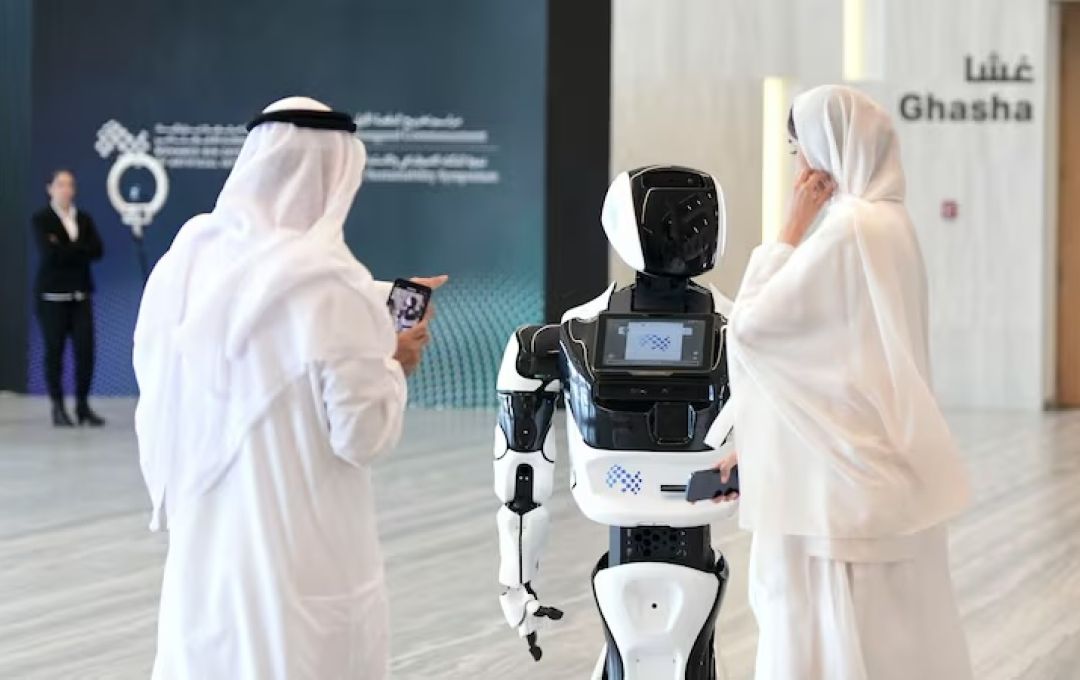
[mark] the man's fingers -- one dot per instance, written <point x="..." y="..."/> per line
<point x="416" y="337"/>
<point x="431" y="282"/>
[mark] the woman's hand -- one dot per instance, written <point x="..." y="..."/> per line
<point x="812" y="189"/>
<point x="724" y="466"/>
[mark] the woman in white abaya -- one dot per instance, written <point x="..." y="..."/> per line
<point x="265" y="359"/>
<point x="847" y="467"/>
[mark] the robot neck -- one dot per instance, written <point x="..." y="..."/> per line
<point x="661" y="293"/>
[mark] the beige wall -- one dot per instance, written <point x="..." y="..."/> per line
<point x="687" y="88"/>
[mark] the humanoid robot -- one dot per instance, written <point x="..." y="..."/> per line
<point x="643" y="375"/>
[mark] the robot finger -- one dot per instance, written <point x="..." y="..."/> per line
<point x="534" y="649"/>
<point x="550" y="612"/>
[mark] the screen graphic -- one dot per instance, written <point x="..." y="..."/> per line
<point x="654" y="343"/>
<point x="407" y="307"/>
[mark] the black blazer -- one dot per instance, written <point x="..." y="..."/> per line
<point x="65" y="264"/>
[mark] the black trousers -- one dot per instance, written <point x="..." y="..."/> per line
<point x="59" y="320"/>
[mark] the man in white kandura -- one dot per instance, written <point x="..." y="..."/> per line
<point x="270" y="379"/>
<point x="848" y="472"/>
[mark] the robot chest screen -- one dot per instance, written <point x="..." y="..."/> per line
<point x="644" y="382"/>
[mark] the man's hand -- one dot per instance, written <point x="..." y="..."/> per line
<point x="410" y="345"/>
<point x="431" y="282"/>
<point x="411" y="342"/>
<point x="724" y="466"/>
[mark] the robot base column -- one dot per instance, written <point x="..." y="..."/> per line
<point x="659" y="619"/>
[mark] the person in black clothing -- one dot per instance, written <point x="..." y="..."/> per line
<point x="68" y="242"/>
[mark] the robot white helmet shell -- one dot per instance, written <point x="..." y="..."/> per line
<point x="665" y="220"/>
<point x="620" y="222"/>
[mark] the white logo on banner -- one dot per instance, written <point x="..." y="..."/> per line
<point x="402" y="149"/>
<point x="133" y="152"/>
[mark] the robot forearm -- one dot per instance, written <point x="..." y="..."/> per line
<point x="522" y="481"/>
<point x="524" y="464"/>
<point x="521" y="539"/>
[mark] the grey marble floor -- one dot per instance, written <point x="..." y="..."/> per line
<point x="79" y="573"/>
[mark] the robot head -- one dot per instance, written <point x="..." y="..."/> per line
<point x="665" y="220"/>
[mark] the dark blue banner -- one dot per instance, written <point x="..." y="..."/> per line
<point x="449" y="97"/>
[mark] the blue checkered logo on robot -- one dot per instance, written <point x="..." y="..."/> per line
<point x="659" y="343"/>
<point x="627" y="482"/>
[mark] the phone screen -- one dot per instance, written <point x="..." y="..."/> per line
<point x="408" y="302"/>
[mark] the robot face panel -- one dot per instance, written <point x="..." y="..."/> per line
<point x="666" y="220"/>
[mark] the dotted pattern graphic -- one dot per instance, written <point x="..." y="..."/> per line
<point x="619" y="476"/>
<point x="475" y="316"/>
<point x="659" y="343"/>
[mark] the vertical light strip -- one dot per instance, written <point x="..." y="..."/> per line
<point x="854" y="40"/>
<point x="774" y="109"/>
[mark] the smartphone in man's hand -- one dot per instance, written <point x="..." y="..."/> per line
<point x="408" y="303"/>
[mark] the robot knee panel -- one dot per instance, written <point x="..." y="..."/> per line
<point x="523" y="479"/>
<point x="521" y="540"/>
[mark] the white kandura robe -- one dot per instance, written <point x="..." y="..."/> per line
<point x="276" y="571"/>
<point x="263" y="352"/>
<point x="848" y="471"/>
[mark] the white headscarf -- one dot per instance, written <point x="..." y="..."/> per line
<point x="271" y="254"/>
<point x="836" y="344"/>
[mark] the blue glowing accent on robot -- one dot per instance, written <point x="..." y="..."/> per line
<point x="618" y="475"/>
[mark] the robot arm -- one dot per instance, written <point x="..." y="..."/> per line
<point x="524" y="465"/>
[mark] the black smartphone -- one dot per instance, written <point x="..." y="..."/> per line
<point x="705" y="485"/>
<point x="408" y="303"/>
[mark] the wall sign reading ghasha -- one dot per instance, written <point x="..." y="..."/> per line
<point x="984" y="107"/>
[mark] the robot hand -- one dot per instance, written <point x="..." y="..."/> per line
<point x="523" y="611"/>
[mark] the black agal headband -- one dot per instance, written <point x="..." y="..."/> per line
<point x="305" y="118"/>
